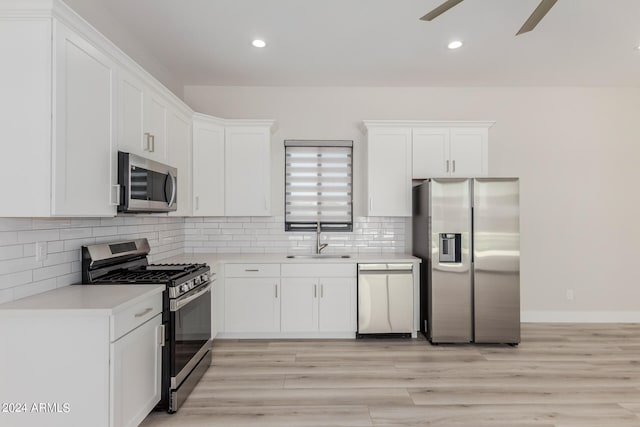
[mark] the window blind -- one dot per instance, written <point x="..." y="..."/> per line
<point x="318" y="185"/>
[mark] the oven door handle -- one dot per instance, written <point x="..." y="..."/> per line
<point x="181" y="302"/>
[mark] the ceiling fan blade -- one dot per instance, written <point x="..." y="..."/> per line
<point x="536" y="16"/>
<point x="440" y="10"/>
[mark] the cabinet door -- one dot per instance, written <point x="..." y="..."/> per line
<point x="247" y="171"/>
<point x="25" y="108"/>
<point x="135" y="369"/>
<point x="469" y="152"/>
<point x="208" y="168"/>
<point x="155" y="122"/>
<point x="389" y="172"/>
<point x="83" y="167"/>
<point x="430" y="153"/>
<point x="337" y="305"/>
<point x="299" y="307"/>
<point x="252" y="305"/>
<point x="131" y="112"/>
<point x="179" y="156"/>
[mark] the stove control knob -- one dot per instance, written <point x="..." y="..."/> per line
<point x="205" y="277"/>
<point x="184" y="288"/>
<point x="198" y="280"/>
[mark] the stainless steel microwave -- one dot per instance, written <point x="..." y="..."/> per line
<point x="146" y="185"/>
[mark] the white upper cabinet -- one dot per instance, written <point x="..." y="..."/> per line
<point x="143" y="119"/>
<point x="58" y="120"/>
<point x="388" y="171"/>
<point x="83" y="160"/>
<point x="430" y="152"/>
<point x="179" y="145"/>
<point x="469" y="152"/>
<point x="208" y="166"/>
<point x="450" y="149"/>
<point x="248" y="168"/>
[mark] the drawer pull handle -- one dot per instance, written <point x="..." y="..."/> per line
<point x="254" y="269"/>
<point x="142" y="313"/>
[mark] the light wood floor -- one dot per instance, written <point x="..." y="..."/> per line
<point x="561" y="375"/>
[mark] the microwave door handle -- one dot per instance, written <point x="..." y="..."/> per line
<point x="172" y="199"/>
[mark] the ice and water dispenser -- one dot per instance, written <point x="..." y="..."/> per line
<point x="450" y="247"/>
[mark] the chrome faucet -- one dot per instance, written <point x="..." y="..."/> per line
<point x="319" y="247"/>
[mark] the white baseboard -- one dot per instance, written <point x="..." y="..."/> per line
<point x="580" y="316"/>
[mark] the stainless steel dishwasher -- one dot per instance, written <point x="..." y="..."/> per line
<point x="385" y="300"/>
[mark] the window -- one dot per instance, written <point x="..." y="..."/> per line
<point x="318" y="185"/>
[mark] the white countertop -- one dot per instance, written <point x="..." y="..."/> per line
<point x="215" y="258"/>
<point x="83" y="299"/>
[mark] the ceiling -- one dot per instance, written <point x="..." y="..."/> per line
<point x="383" y="42"/>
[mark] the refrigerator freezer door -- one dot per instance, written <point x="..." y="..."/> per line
<point x="450" y="288"/>
<point x="496" y="260"/>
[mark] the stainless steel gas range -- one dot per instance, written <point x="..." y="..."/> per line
<point x="186" y="309"/>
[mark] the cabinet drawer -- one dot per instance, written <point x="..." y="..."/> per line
<point x="318" y="270"/>
<point x="134" y="316"/>
<point x="252" y="270"/>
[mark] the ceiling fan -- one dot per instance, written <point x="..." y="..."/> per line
<point x="529" y="25"/>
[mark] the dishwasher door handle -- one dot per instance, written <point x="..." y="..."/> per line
<point x="385" y="272"/>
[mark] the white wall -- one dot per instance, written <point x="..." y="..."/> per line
<point x="575" y="149"/>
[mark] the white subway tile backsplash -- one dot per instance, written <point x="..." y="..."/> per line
<point x="38" y="236"/>
<point x="16" y="279"/>
<point x="34" y="288"/>
<point x="51" y="271"/>
<point x="21" y="275"/>
<point x="11" y="252"/>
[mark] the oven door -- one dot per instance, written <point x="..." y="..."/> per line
<point x="190" y="337"/>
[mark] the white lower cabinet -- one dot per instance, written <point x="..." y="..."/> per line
<point x="289" y="301"/>
<point x="252" y="304"/>
<point x="318" y="305"/>
<point x="83" y="355"/>
<point x="337" y="305"/>
<point x="251" y="298"/>
<point x="135" y="370"/>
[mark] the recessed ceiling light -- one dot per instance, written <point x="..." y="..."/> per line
<point x="258" y="43"/>
<point x="638" y="47"/>
<point x="454" y="44"/>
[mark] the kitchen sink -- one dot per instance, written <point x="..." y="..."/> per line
<point x="319" y="256"/>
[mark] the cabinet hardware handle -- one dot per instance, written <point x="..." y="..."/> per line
<point x="115" y="201"/>
<point x="252" y="269"/>
<point x="321" y="290"/>
<point x="447" y="165"/>
<point x="315" y="291"/>
<point x="266" y="206"/>
<point x="276" y="286"/>
<point x="162" y="335"/>
<point x="370" y="203"/>
<point x="153" y="144"/>
<point x="147" y="141"/>
<point x="143" y="312"/>
<point x="454" y="167"/>
<point x="197" y="203"/>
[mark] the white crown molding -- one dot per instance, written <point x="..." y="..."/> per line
<point x="431" y="123"/>
<point x="580" y="316"/>
<point x="209" y="119"/>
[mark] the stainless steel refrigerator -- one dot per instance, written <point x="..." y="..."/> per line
<point x="467" y="232"/>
